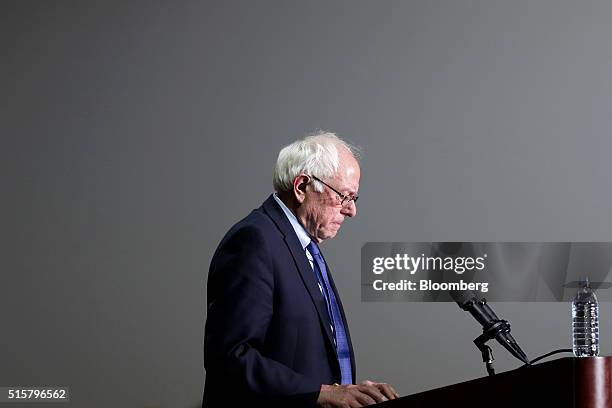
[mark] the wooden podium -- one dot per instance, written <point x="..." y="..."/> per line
<point x="567" y="382"/>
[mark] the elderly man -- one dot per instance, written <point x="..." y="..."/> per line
<point x="276" y="333"/>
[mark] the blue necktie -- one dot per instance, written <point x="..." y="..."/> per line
<point x="339" y="331"/>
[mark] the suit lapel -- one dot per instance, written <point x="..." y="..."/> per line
<point x="301" y="261"/>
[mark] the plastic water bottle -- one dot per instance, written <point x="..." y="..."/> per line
<point x="585" y="321"/>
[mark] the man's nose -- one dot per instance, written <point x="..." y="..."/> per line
<point x="350" y="210"/>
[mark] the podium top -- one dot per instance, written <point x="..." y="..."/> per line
<point x="584" y="382"/>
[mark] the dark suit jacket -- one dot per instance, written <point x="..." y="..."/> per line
<point x="268" y="338"/>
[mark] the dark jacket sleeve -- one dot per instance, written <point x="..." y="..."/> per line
<point x="240" y="304"/>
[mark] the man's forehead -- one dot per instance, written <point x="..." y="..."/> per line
<point x="351" y="171"/>
<point x="349" y="165"/>
<point x="348" y="176"/>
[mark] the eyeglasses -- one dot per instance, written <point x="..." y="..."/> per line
<point x="345" y="200"/>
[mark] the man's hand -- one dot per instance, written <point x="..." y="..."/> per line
<point x="354" y="396"/>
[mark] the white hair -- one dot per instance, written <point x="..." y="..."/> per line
<point x="314" y="155"/>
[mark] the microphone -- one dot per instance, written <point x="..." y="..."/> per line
<point x="492" y="326"/>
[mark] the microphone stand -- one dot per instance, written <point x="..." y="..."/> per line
<point x="485" y="350"/>
<point x="495" y="328"/>
<point x="492" y="328"/>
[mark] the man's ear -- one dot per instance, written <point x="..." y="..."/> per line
<point x="300" y="183"/>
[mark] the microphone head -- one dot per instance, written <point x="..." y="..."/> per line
<point x="462" y="297"/>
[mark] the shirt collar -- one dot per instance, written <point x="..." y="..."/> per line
<point x="301" y="233"/>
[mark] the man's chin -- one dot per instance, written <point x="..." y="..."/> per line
<point x="330" y="233"/>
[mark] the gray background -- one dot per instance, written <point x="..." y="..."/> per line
<point x="135" y="134"/>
